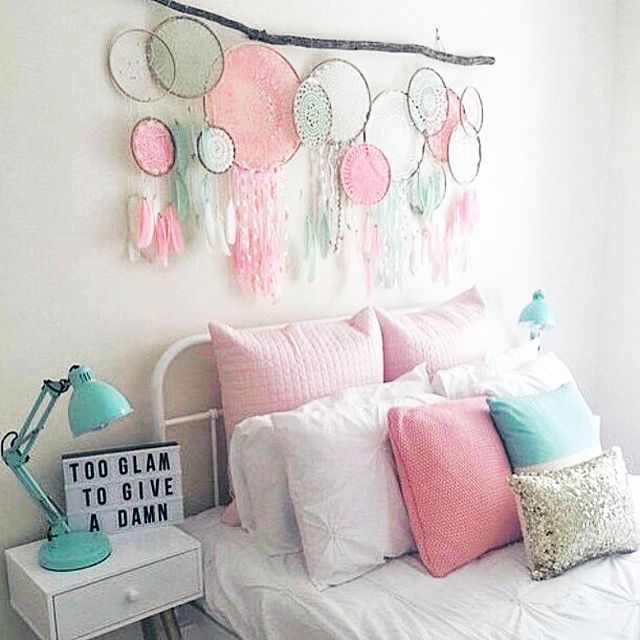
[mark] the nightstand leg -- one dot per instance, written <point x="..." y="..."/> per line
<point x="151" y="629"/>
<point x="170" y="625"/>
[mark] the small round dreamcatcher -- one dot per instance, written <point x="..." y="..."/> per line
<point x="153" y="147"/>
<point x="197" y="52"/>
<point x="428" y="100"/>
<point x="216" y="152"/>
<point x="215" y="149"/>
<point x="312" y="113"/>
<point x="136" y="57"/>
<point x="365" y="174"/>
<point x="471" y="111"/>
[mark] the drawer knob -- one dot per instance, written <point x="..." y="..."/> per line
<point x="133" y="595"/>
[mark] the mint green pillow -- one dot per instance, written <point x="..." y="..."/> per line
<point x="547" y="430"/>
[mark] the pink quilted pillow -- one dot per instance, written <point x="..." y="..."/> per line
<point x="267" y="370"/>
<point x="453" y="333"/>
<point x="453" y="472"/>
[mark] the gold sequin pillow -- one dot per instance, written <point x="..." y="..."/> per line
<point x="574" y="514"/>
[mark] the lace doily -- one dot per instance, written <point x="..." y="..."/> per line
<point x="464" y="155"/>
<point x="215" y="149"/>
<point x="391" y="130"/>
<point x="198" y="56"/>
<point x="152" y="146"/>
<point x="253" y="102"/>
<point x="349" y="96"/>
<point x="312" y="113"/>
<point x="365" y="174"/>
<point x="428" y="100"/>
<point x="133" y="56"/>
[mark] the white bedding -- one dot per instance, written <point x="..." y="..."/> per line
<point x="262" y="598"/>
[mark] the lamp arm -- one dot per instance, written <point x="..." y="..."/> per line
<point x="17" y="455"/>
<point x="55" y="515"/>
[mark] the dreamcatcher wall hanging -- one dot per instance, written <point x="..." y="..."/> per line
<point x="182" y="57"/>
<point x="409" y="177"/>
<point x="392" y="224"/>
<point x="254" y="103"/>
<point x="331" y="109"/>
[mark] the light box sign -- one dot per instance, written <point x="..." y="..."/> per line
<point x="121" y="489"/>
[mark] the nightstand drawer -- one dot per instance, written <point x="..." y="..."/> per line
<point x="127" y="596"/>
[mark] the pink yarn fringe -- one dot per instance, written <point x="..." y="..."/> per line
<point x="260" y="220"/>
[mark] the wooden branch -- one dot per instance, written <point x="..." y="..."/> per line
<point x="261" y="35"/>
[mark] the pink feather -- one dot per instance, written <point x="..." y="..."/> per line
<point x="162" y="240"/>
<point x="144" y="224"/>
<point x="173" y="229"/>
<point x="469" y="213"/>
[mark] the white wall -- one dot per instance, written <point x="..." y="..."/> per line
<point x="68" y="293"/>
<point x="617" y="396"/>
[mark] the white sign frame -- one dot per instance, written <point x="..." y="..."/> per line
<point x="116" y="490"/>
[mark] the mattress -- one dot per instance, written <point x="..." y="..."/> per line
<point x="262" y="598"/>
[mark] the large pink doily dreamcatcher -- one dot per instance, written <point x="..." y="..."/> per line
<point x="253" y="103"/>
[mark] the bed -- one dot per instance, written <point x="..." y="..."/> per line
<point x="259" y="597"/>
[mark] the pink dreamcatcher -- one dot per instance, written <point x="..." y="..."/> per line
<point x="253" y="102"/>
<point x="365" y="176"/>
<point x="154" y="151"/>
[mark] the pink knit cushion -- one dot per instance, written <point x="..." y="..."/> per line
<point x="453" y="473"/>
<point x="453" y="333"/>
<point x="267" y="370"/>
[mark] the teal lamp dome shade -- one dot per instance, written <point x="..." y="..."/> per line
<point x="538" y="313"/>
<point x="94" y="404"/>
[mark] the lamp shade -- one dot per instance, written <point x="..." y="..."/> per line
<point x="538" y="313"/>
<point x="94" y="404"/>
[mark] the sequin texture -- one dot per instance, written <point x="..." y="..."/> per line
<point x="571" y="515"/>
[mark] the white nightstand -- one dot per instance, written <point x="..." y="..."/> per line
<point x="148" y="572"/>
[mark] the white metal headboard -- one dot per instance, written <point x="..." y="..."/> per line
<point x="160" y="422"/>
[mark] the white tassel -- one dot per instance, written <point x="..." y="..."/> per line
<point x="132" y="216"/>
<point x="231" y="224"/>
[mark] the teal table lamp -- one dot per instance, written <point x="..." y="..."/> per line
<point x="537" y="315"/>
<point x="93" y="405"/>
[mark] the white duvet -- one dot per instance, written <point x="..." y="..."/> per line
<point x="262" y="598"/>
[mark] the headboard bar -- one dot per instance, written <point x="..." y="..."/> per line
<point x="194" y="417"/>
<point x="157" y="383"/>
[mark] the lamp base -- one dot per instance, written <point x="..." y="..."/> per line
<point x="74" y="550"/>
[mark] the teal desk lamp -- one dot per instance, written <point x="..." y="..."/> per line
<point x="537" y="314"/>
<point x="93" y="405"/>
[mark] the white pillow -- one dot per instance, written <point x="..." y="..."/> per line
<point x="459" y="382"/>
<point x="260" y="485"/>
<point x="342" y="479"/>
<point x="546" y="373"/>
<point x="258" y="469"/>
